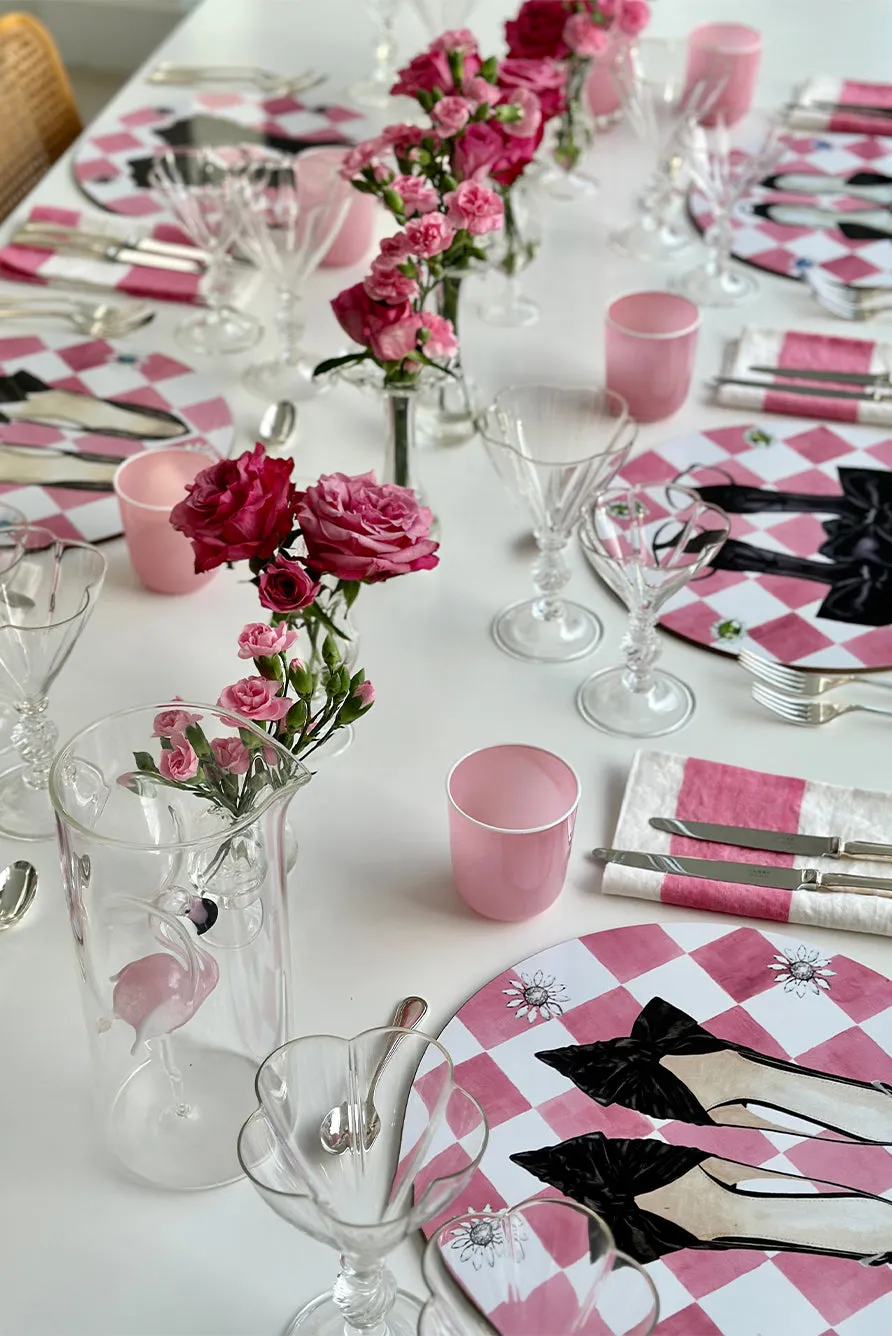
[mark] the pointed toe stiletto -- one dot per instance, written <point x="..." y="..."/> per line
<point x="657" y="1199"/>
<point x="671" y="1067"/>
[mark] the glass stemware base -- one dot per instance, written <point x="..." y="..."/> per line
<point x="605" y="701"/>
<point x="277" y="379"/>
<point x="221" y="331"/>
<point x="25" y="811"/>
<point x="646" y="241"/>
<point x="510" y="310"/>
<point x="568" y="186"/>
<point x="708" y="286"/>
<point x="323" y="1317"/>
<point x="519" y="631"/>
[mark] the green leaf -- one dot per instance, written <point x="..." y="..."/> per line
<point x="332" y="363"/>
<point x="350" y="589"/>
<point x="145" y="763"/>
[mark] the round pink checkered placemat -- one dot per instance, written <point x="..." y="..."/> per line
<point x="96" y="367"/>
<point x="789" y="251"/>
<point x="111" y="163"/>
<point x="810" y="620"/>
<point x="761" y="989"/>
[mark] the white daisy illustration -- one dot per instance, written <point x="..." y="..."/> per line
<point x="482" y="1238"/>
<point x="536" y="995"/>
<point x="802" y="969"/>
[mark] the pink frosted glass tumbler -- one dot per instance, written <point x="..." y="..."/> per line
<point x="727" y="54"/>
<point x="315" y="169"/>
<point x="512" y="810"/>
<point x="148" y="486"/>
<point x="651" y="342"/>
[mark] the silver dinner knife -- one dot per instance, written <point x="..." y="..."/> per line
<point x="747" y="874"/>
<point x="151" y="245"/>
<point x="869" y="394"/>
<point x="855" y="108"/>
<point x="838" y="377"/>
<point x="775" y="841"/>
<point x="105" y="250"/>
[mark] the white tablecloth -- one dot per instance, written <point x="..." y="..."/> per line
<point x="85" y="1253"/>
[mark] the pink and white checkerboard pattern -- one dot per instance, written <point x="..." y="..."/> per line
<point x="775" y="616"/>
<point x="789" y="250"/>
<point x="101" y="167"/>
<point x="94" y="366"/>
<point x="723" y="978"/>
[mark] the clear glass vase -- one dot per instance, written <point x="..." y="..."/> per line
<point x="509" y="252"/>
<point x="176" y="894"/>
<point x="309" y="648"/>
<point x="572" y="136"/>
<point x="448" y="407"/>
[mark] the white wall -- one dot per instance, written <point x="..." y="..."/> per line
<point x="104" y="34"/>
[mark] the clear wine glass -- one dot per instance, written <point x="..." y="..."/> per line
<point x="47" y="593"/>
<point x="554" y="447"/>
<point x="509" y="252"/>
<point x="404" y="1156"/>
<point x="724" y="176"/>
<point x="508" y="1271"/>
<point x="287" y="229"/>
<point x="9" y="515"/>
<point x="202" y="187"/>
<point x="439" y="16"/>
<point x="375" y="91"/>
<point x="646" y="543"/>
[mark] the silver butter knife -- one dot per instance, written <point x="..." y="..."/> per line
<point x="747" y="874"/>
<point x="151" y="245"/>
<point x="856" y="108"/>
<point x="105" y="250"/>
<point x="775" y="841"/>
<point x="869" y="394"/>
<point x="838" y="377"/>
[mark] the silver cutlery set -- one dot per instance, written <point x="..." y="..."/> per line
<point x="795" y="695"/>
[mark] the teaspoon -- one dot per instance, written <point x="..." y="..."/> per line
<point x="18" y="886"/>
<point x="277" y="426"/>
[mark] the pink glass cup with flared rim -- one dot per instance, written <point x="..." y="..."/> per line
<point x="650" y="346"/>
<point x="726" y="54"/>
<point x="148" y="485"/>
<point x="512" y="812"/>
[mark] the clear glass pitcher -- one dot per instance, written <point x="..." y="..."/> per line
<point x="171" y="821"/>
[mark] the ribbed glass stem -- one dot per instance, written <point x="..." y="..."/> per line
<point x="365" y="1293"/>
<point x="35" y="737"/>
<point x="641" y="649"/>
<point x="550" y="575"/>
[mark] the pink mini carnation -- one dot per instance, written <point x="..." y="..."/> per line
<point x="389" y="285"/>
<point x="392" y="252"/>
<point x="231" y="755"/>
<point x="429" y="236"/>
<point x="394" y="342"/>
<point x="254" y="698"/>
<point x="362" y="156"/>
<point x="180" y="761"/>
<point x="479" y="90"/>
<point x="451" y="114"/>
<point x="169" y="722"/>
<point x="441" y="340"/>
<point x="530" y="110"/>
<point x="456" y="39"/>
<point x="260" y="641"/>
<point x="475" y="207"/>
<point x="583" y="37"/>
<point x="416" y="194"/>
<point x="365" y="694"/>
<point x="633" y="17"/>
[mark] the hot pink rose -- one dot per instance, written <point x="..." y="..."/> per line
<point x="451" y="114"/>
<point x="254" y="698"/>
<point x="538" y="30"/>
<point x="475" y="207"/>
<point x="426" y="72"/>
<point x="429" y="236"/>
<point x="237" y="509"/>
<point x="633" y="18"/>
<point x="477" y="150"/>
<point x="366" y="320"/>
<point x="530" y="117"/>
<point x="441" y="341"/>
<point x="286" y="586"/>
<point x="583" y="37"/>
<point x="260" y="641"/>
<point x="360" y="157"/>
<point x="358" y="529"/>
<point x="179" y="762"/>
<point x="393" y="251"/>
<point x="231" y="755"/>
<point x="516" y="156"/>
<point x="396" y="341"/>
<point x="386" y="284"/>
<point x="456" y="39"/>
<point x="416" y="194"/>
<point x="173" y="721"/>
<point x="546" y="78"/>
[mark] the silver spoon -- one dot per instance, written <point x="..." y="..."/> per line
<point x="277" y="426"/>
<point x="18" y="886"/>
<point x="335" y="1129"/>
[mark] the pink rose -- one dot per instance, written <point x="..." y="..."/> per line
<point x="254" y="698"/>
<point x="237" y="509"/>
<point x="441" y="340"/>
<point x="358" y="529"/>
<point x="451" y="114"/>
<point x="456" y="39"/>
<point x="530" y="117"/>
<point x="364" y="319"/>
<point x="634" y="16"/>
<point x="387" y="284"/>
<point x="426" y="72"/>
<point x="365" y="694"/>
<point x="538" y="30"/>
<point x="231" y="755"/>
<point x="477" y="150"/>
<point x="475" y="207"/>
<point x="393" y="250"/>
<point x="394" y="342"/>
<point x="583" y="37"/>
<point x="429" y="236"/>
<point x="286" y="586"/>
<point x="546" y="78"/>
<point x="416" y="194"/>
<point x="260" y="641"/>
<point x="516" y="157"/>
<point x="179" y="762"/>
<point x="173" y="721"/>
<point x="360" y="157"/>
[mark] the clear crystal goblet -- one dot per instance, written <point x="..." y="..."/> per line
<point x="406" y="1156"/>
<point x="47" y="594"/>
<point x="374" y="92"/>
<point x="510" y="1272"/>
<point x="288" y="227"/>
<point x="646" y="543"/>
<point x="509" y="252"/>
<point x="554" y="447"/>
<point x="202" y="187"/>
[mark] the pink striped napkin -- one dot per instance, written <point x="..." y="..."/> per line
<point x="42" y="266"/>
<point x="825" y="89"/>
<point x="820" y="352"/>
<point x="664" y="784"/>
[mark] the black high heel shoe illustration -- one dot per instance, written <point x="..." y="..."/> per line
<point x="670" y="1067"/>
<point x="26" y="398"/>
<point x="658" y="1199"/>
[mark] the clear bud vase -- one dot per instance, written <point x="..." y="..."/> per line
<point x="309" y="645"/>
<point x="448" y="408"/>
<point x="399" y="454"/>
<point x="573" y="136"/>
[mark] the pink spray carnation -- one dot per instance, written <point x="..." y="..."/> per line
<point x="456" y="39"/>
<point x="546" y="78"/>
<point x="358" y="529"/>
<point x="387" y="284"/>
<point x="260" y="641"/>
<point x="475" y="207"/>
<point x="362" y="156"/>
<point x="416" y="194"/>
<point x="429" y="236"/>
<point x="395" y="342"/>
<point x="365" y="694"/>
<point x="583" y="37"/>
<point x="393" y="250"/>
<point x="530" y="118"/>
<point x="168" y="722"/>
<point x="451" y="114"/>
<point x="441" y="340"/>
<point x="633" y="17"/>
<point x="179" y="762"/>
<point x="231" y="755"/>
<point x="477" y="150"/>
<point x="254" y="698"/>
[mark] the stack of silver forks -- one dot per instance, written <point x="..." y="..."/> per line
<point x="796" y="694"/>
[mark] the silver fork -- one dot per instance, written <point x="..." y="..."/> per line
<point x="264" y="80"/>
<point x="797" y="682"/>
<point x="100" y="320"/>
<point x="796" y="710"/>
<point x="849" y="303"/>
